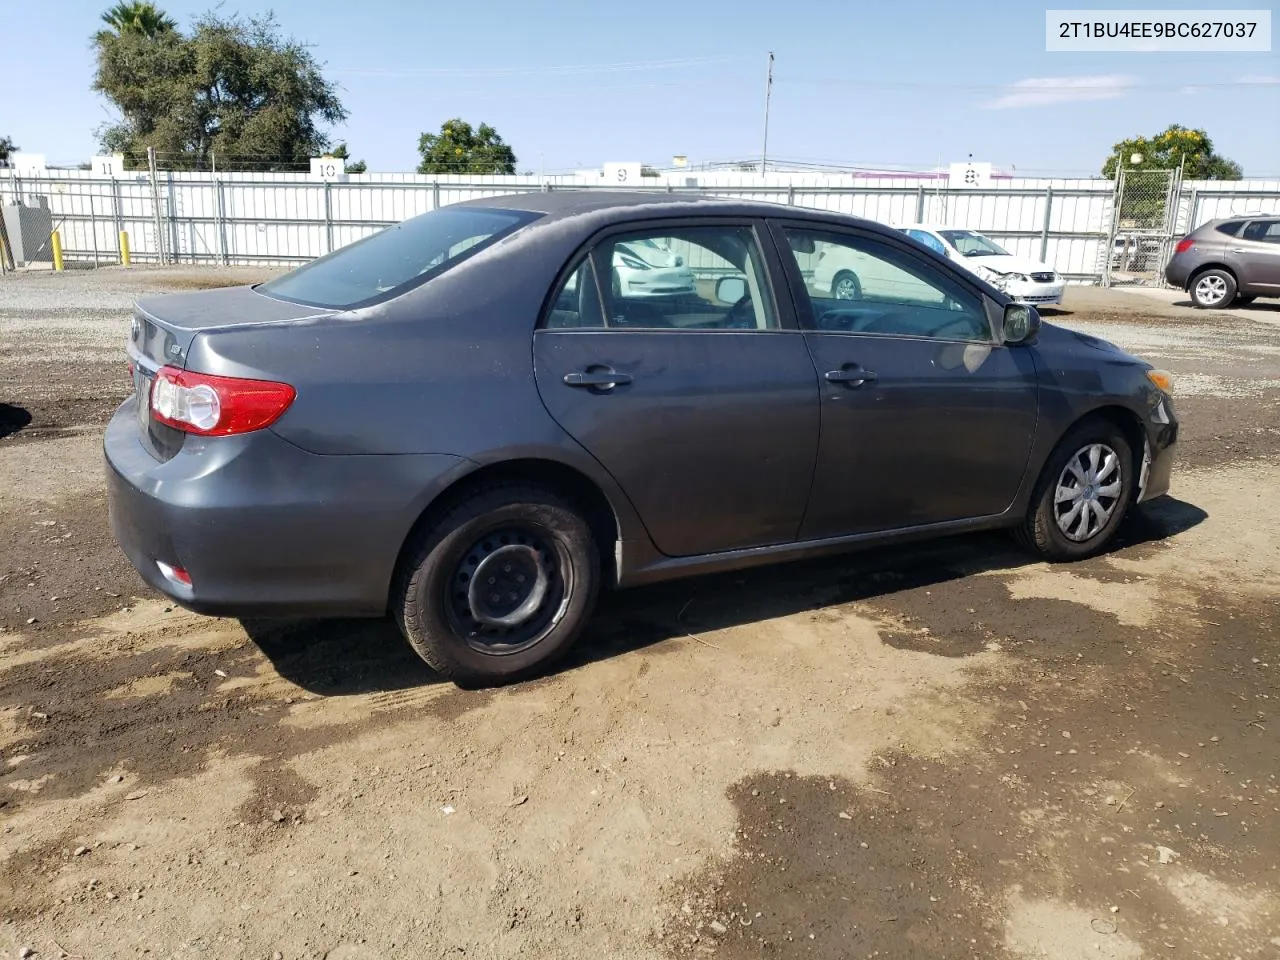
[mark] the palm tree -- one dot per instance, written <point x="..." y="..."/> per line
<point x="138" y="16"/>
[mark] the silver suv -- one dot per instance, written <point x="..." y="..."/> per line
<point x="1228" y="261"/>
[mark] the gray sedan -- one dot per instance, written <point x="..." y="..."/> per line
<point x="470" y="422"/>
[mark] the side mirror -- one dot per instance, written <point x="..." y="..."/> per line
<point x="1021" y="324"/>
<point x="803" y="244"/>
<point x="730" y="289"/>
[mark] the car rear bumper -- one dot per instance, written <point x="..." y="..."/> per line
<point x="1176" y="272"/>
<point x="262" y="527"/>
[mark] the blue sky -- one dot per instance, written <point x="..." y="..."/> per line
<point x="576" y="83"/>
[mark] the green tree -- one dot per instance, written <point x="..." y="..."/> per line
<point x="7" y="146"/>
<point x="352" y="166"/>
<point x="459" y="149"/>
<point x="234" y="87"/>
<point x="137" y="17"/>
<point x="1166" y="150"/>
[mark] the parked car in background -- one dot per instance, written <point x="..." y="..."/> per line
<point x="1024" y="279"/>
<point x="458" y="422"/>
<point x="1228" y="261"/>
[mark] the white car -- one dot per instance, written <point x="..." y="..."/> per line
<point x="1024" y="279"/>
<point x="647" y="268"/>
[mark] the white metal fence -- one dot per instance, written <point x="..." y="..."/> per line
<point x="281" y="218"/>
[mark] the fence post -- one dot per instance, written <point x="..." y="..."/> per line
<point x="791" y="194"/>
<point x="920" y="203"/>
<point x="155" y="205"/>
<point x="435" y="195"/>
<point x="328" y="218"/>
<point x="171" y="209"/>
<point x="1193" y="211"/>
<point x="1044" y="228"/>
<point x="117" y="216"/>
<point x="220" y="215"/>
<point x="93" y="226"/>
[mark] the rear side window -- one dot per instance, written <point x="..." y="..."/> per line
<point x="397" y="259"/>
<point x="1231" y="228"/>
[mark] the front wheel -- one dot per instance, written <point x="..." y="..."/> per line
<point x="1082" y="495"/>
<point x="500" y="587"/>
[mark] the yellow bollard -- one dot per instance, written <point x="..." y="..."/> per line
<point x="57" y="250"/>
<point x="124" y="248"/>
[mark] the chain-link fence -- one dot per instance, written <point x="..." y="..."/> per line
<point x="1088" y="230"/>
<point x="1143" y="222"/>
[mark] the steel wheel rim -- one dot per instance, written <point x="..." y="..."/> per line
<point x="509" y="588"/>
<point x="1211" y="289"/>
<point x="1088" y="492"/>
<point x="846" y="289"/>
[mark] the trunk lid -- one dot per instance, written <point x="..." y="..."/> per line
<point x="162" y="332"/>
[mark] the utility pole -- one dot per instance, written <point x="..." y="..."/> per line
<point x="768" y="90"/>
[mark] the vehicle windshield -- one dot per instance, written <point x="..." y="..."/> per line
<point x="393" y="261"/>
<point x="970" y="244"/>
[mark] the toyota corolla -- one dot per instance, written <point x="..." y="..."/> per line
<point x="467" y="423"/>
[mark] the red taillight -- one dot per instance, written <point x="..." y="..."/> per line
<point x="210" y="406"/>
<point x="1185" y="244"/>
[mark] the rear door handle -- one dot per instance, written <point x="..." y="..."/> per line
<point x="603" y="379"/>
<point x="853" y="377"/>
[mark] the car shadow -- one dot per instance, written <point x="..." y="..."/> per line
<point x="1051" y="312"/>
<point x="351" y="657"/>
<point x="12" y="419"/>
<point x="1257" y="306"/>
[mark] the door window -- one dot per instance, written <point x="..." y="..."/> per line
<point x="1265" y="231"/>
<point x="859" y="284"/>
<point x="674" y="278"/>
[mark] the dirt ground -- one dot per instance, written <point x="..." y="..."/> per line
<point x="938" y="751"/>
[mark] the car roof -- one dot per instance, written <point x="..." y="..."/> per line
<point x="600" y="204"/>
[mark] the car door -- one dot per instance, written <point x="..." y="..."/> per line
<point x="925" y="418"/>
<point x="1255" y="256"/>
<point x="703" y="405"/>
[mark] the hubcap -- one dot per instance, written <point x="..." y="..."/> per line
<point x="508" y="586"/>
<point x="846" y="289"/>
<point x="1088" y="492"/>
<point x="508" y="590"/>
<point x="1211" y="289"/>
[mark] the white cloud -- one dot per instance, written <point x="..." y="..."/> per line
<point x="1041" y="91"/>
<point x="1260" y="80"/>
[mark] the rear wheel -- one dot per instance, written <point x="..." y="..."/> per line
<point x="1213" y="289"/>
<point x="1082" y="495"/>
<point x="500" y="587"/>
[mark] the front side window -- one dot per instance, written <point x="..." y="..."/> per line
<point x="859" y="284"/>
<point x="394" y="260"/>
<point x="970" y="244"/>
<point x="1264" y="231"/>
<point x="673" y="278"/>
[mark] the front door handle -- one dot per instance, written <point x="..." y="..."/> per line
<point x="600" y="378"/>
<point x="851" y="376"/>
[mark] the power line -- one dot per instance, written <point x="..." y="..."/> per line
<point x="568" y="69"/>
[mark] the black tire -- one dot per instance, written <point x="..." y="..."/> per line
<point x="1244" y="299"/>
<point x="1212" y="289"/>
<point x="1041" y="531"/>
<point x="503" y="526"/>
<point x="851" y="279"/>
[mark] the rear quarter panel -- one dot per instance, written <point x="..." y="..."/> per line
<point x="445" y="369"/>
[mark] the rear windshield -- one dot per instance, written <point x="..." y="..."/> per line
<point x="396" y="259"/>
